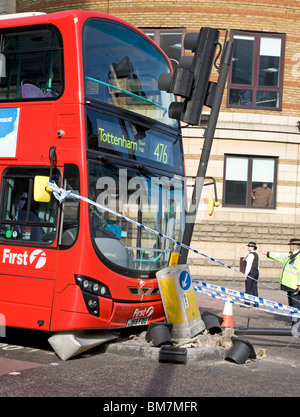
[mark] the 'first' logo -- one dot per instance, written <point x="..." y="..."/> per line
<point x="37" y="258"/>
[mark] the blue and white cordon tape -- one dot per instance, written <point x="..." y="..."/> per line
<point x="236" y="297"/>
<point x="213" y="291"/>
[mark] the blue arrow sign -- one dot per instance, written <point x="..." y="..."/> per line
<point x="185" y="280"/>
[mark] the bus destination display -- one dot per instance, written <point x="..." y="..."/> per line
<point x="156" y="149"/>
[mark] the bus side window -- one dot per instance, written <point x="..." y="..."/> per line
<point x="70" y="208"/>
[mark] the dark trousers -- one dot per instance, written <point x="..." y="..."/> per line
<point x="294" y="299"/>
<point x="290" y="298"/>
<point x="251" y="283"/>
<point x="292" y="295"/>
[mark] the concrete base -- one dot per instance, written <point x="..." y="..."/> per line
<point x="72" y="343"/>
<point x="182" y="331"/>
<point x="140" y="350"/>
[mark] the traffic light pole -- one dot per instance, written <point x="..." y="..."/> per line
<point x="208" y="140"/>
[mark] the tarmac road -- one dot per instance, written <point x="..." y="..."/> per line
<point x="29" y="368"/>
<point x="108" y="375"/>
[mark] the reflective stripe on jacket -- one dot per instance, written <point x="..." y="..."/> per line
<point x="290" y="275"/>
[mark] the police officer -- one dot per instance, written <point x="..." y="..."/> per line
<point x="251" y="270"/>
<point x="290" y="275"/>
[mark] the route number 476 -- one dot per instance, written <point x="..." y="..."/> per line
<point x="161" y="153"/>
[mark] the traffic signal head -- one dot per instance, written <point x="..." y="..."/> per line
<point x="190" y="79"/>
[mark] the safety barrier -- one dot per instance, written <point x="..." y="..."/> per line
<point x="207" y="289"/>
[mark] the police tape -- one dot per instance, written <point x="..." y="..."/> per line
<point x="245" y="296"/>
<point x="61" y="194"/>
<point x="276" y="312"/>
<point x="239" y="298"/>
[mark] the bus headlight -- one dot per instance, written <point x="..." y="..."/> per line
<point x="85" y="284"/>
<point x="91" y="290"/>
<point x="92" y="303"/>
<point x="95" y="287"/>
<point x="92" y="286"/>
<point x="103" y="291"/>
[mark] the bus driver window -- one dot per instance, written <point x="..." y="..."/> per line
<point x="22" y="218"/>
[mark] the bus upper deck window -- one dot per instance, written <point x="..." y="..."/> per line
<point x="31" y="64"/>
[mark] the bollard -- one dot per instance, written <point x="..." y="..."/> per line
<point x="240" y="351"/>
<point x="172" y="354"/>
<point x="179" y="301"/>
<point x="159" y="334"/>
<point x="212" y="322"/>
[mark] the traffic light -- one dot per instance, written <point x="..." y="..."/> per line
<point x="190" y="79"/>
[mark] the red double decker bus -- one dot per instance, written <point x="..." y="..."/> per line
<point x="80" y="105"/>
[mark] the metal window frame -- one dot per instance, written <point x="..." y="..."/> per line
<point x="250" y="159"/>
<point x="254" y="87"/>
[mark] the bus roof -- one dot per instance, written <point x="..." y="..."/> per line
<point x="18" y="15"/>
<point x="41" y="17"/>
<point x="31" y="18"/>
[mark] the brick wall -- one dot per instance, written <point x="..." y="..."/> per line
<point x="259" y="15"/>
<point x="226" y="242"/>
<point x="225" y="234"/>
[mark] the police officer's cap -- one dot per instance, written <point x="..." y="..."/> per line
<point x="295" y="241"/>
<point x="252" y="245"/>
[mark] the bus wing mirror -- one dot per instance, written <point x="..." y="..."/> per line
<point x="41" y="192"/>
<point x="212" y="204"/>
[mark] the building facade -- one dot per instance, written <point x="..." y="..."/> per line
<point x="7" y="6"/>
<point x="258" y="132"/>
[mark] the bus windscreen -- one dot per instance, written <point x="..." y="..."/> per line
<point x="122" y="69"/>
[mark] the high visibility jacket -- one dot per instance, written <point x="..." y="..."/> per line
<point x="290" y="275"/>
